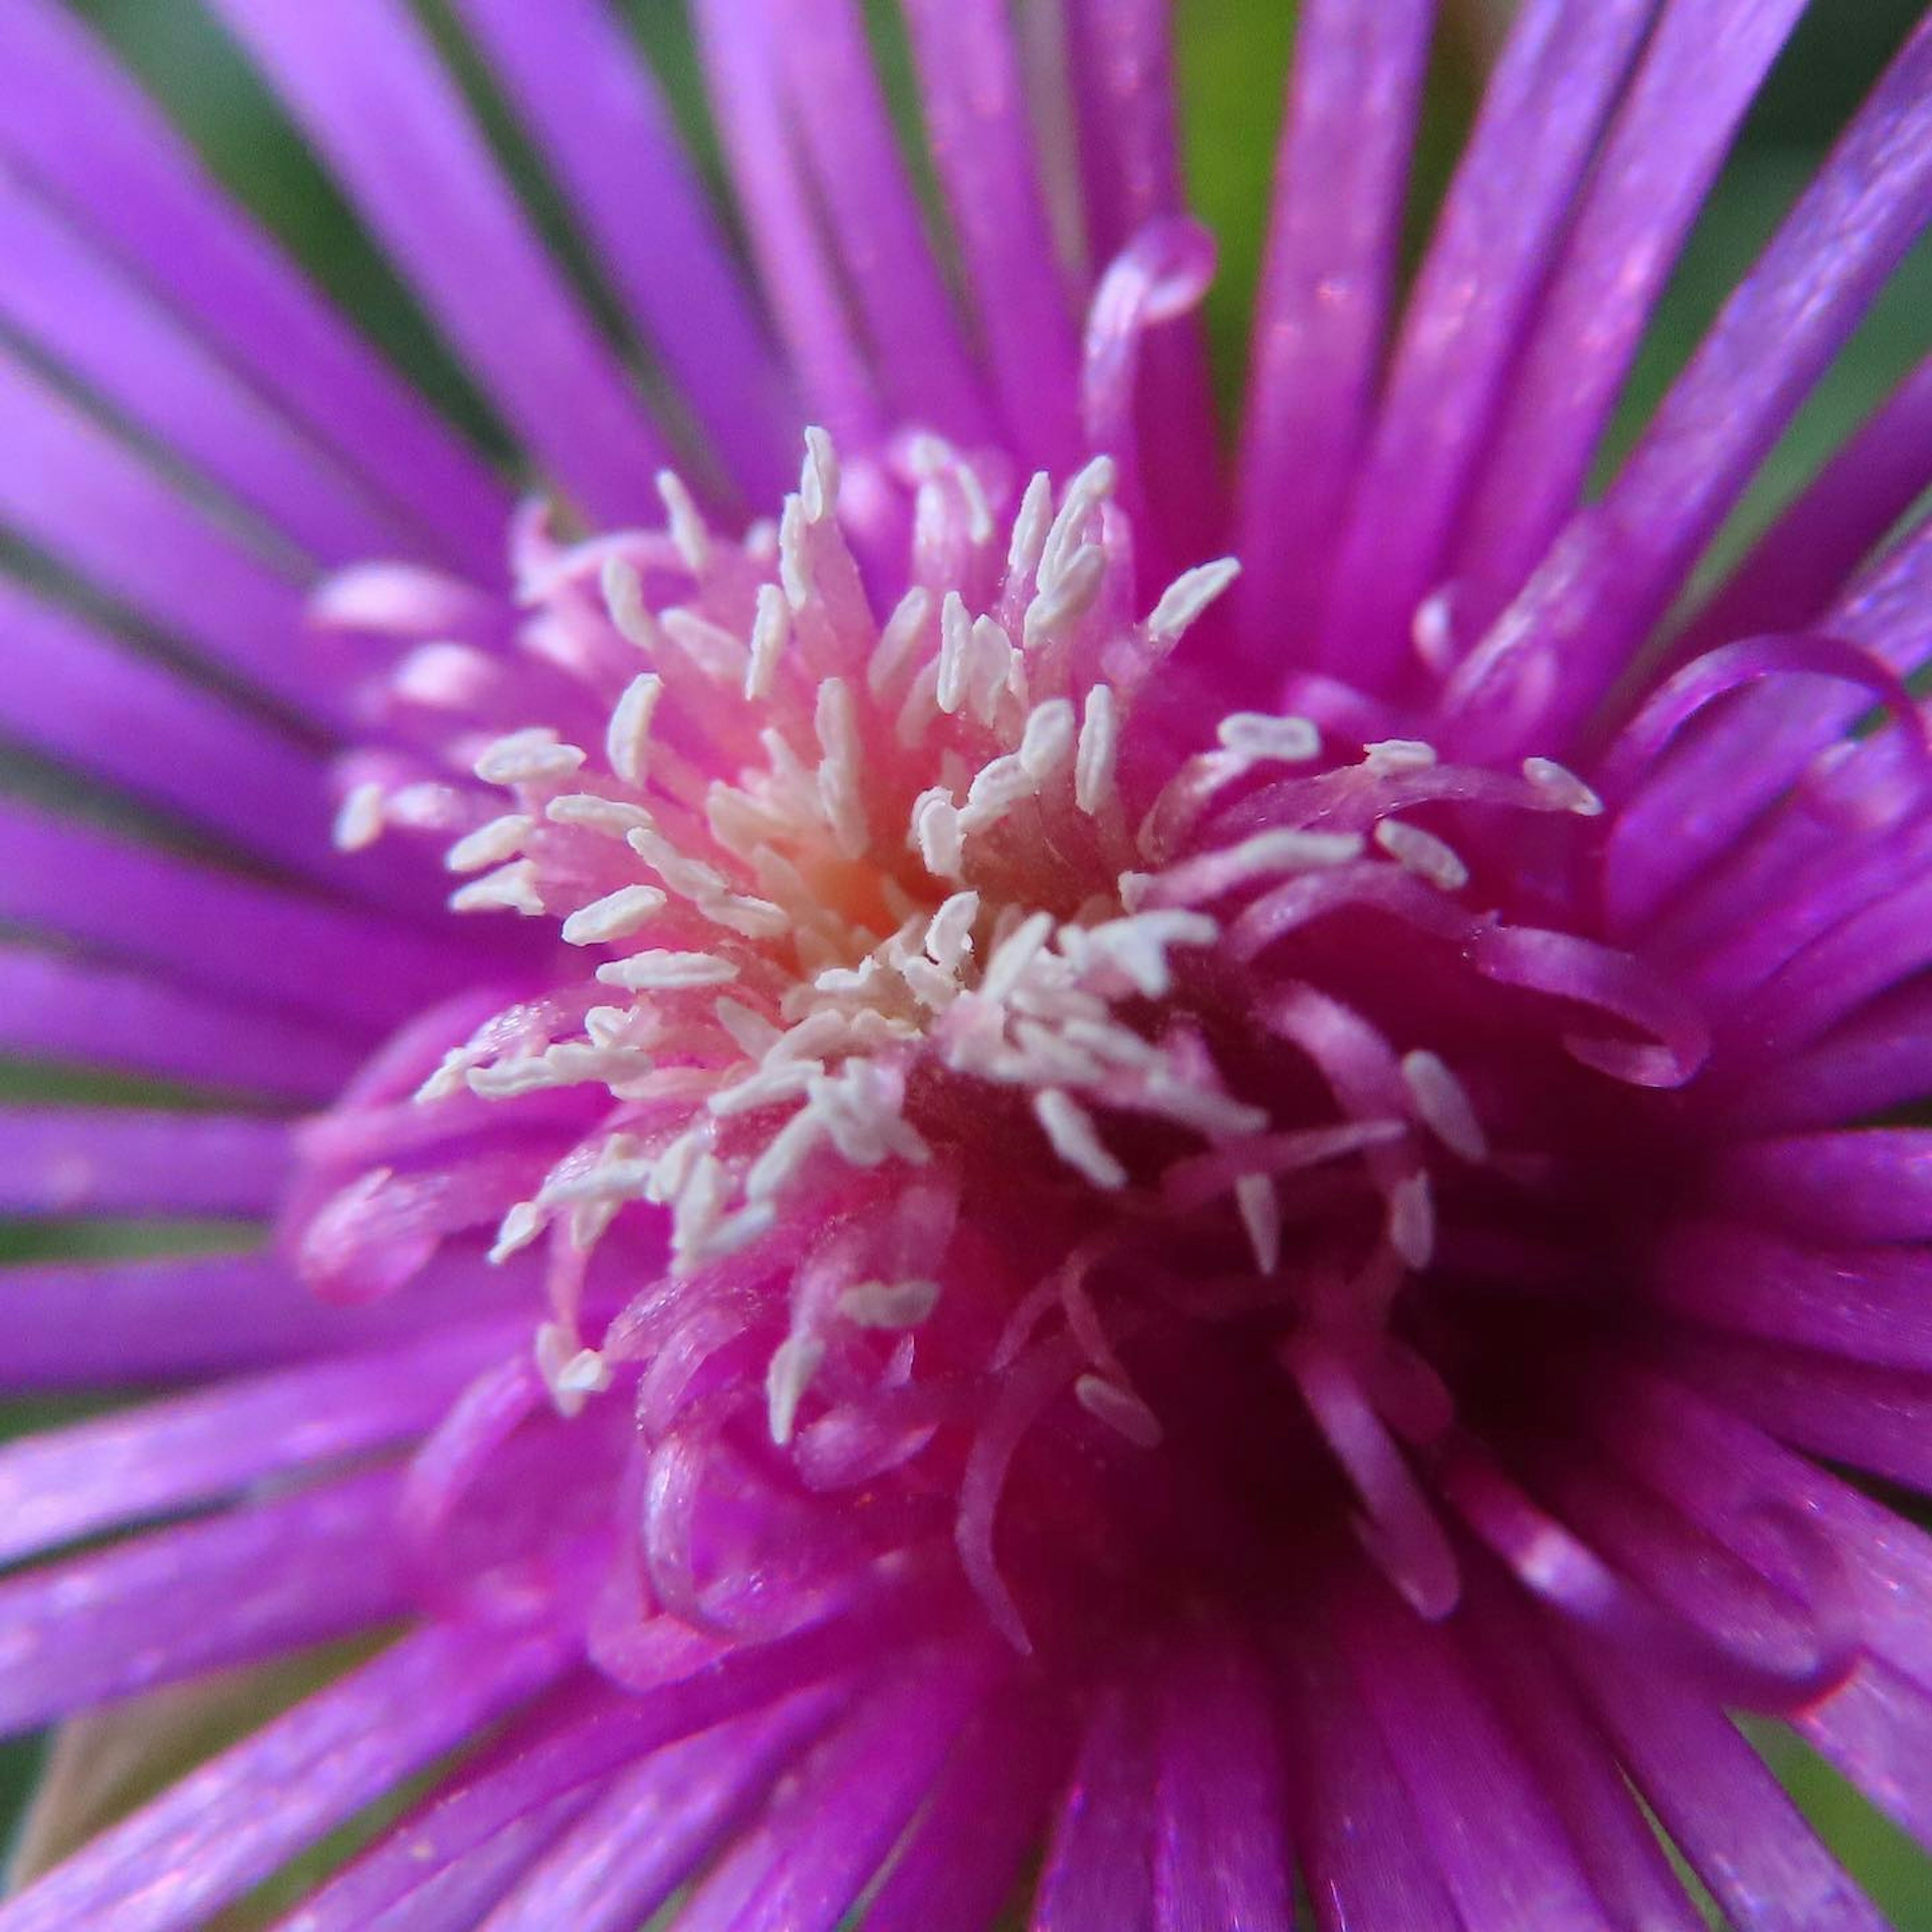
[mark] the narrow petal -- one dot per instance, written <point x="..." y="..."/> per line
<point x="1874" y="1419"/>
<point x="1743" y="1837"/>
<point x="1121" y="61"/>
<point x="1877" y="1729"/>
<point x="1356" y="1840"/>
<point x="215" y="930"/>
<point x="53" y="1007"/>
<point x="983" y="148"/>
<point x="655" y="1824"/>
<point x="1322" y="311"/>
<point x="1724" y="1473"/>
<point x="803" y="1866"/>
<point x="1099" y="1868"/>
<point x="364" y="81"/>
<point x="1221" y="1827"/>
<point x="453" y="1895"/>
<point x="236" y="1819"/>
<point x="1556" y="650"/>
<point x="93" y="319"/>
<point x="590" y="101"/>
<point x="254" y="1582"/>
<point x="108" y="1324"/>
<point x="796" y="270"/>
<point x="59" y="1484"/>
<point x="918" y="351"/>
<point x="959" y="1862"/>
<point x="103" y="708"/>
<point x="69" y="1161"/>
<point x="1571" y="1762"/>
<point x="89" y="139"/>
<point x="1879" y="1060"/>
<point x="1504" y="1858"/>
<point x="1796" y="567"/>
<point x="1872" y="1304"/>
<point x="1875" y="1185"/>
<point x="110" y="517"/>
<point x="1698" y="75"/>
<point x="1552" y="91"/>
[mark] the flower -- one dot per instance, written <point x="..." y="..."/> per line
<point x="1194" y="1187"/>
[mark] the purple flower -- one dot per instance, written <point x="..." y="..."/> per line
<point x="1191" y="1177"/>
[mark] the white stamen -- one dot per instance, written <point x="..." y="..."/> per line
<point x="997" y="788"/>
<point x="518" y="1228"/>
<point x="990" y="665"/>
<point x="1443" y="1104"/>
<point x="1423" y="853"/>
<point x="901" y="638"/>
<point x="1190" y="593"/>
<point x="888" y="1304"/>
<point x="490" y="844"/>
<point x="1411" y="1220"/>
<point x="1070" y="1129"/>
<point x="1282" y="849"/>
<point x="688" y="531"/>
<point x="689" y="878"/>
<point x="1031" y="523"/>
<point x="751" y="1032"/>
<point x="1120" y="1409"/>
<point x="818" y="481"/>
<point x="1084" y="494"/>
<point x="612" y="817"/>
<point x="571" y="1375"/>
<point x="626" y="741"/>
<point x="1048" y="739"/>
<point x="614" y="916"/>
<point x="1072" y="596"/>
<point x="1137" y="945"/>
<point x="512" y="887"/>
<point x="936" y="830"/>
<point x="359" y="819"/>
<point x="1431" y="631"/>
<point x="1099" y="743"/>
<point x="624" y="598"/>
<point x="1391" y="755"/>
<point x="714" y="650"/>
<point x="663" y="972"/>
<point x="522" y="758"/>
<point x="784" y="1154"/>
<point x="767" y="1088"/>
<point x="1260" y="1209"/>
<point x="794" y="1363"/>
<point x="836" y="720"/>
<point x="1563" y="788"/>
<point x="949" y="938"/>
<point x="610" y="1026"/>
<point x="1011" y="959"/>
<point x="794" y="565"/>
<point x="1259" y="736"/>
<point x="770" y="630"/>
<point x="955" y="653"/>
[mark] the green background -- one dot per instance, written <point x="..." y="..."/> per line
<point x="1234" y="54"/>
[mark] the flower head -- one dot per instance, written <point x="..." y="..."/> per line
<point x="1192" y="1191"/>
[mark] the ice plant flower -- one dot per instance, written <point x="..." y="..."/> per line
<point x="1096" y="1190"/>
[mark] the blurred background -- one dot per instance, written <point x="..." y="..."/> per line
<point x="1234" y="58"/>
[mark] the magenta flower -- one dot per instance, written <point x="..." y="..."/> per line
<point x="1059" y="1224"/>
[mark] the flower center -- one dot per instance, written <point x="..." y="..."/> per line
<point x="971" y="1040"/>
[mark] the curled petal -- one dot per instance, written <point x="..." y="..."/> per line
<point x="1616" y="984"/>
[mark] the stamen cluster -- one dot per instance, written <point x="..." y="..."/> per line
<point x="962" y="1013"/>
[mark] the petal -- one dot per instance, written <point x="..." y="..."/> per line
<point x="363" y="80"/>
<point x="590" y="103"/>
<point x="230" y="1823"/>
